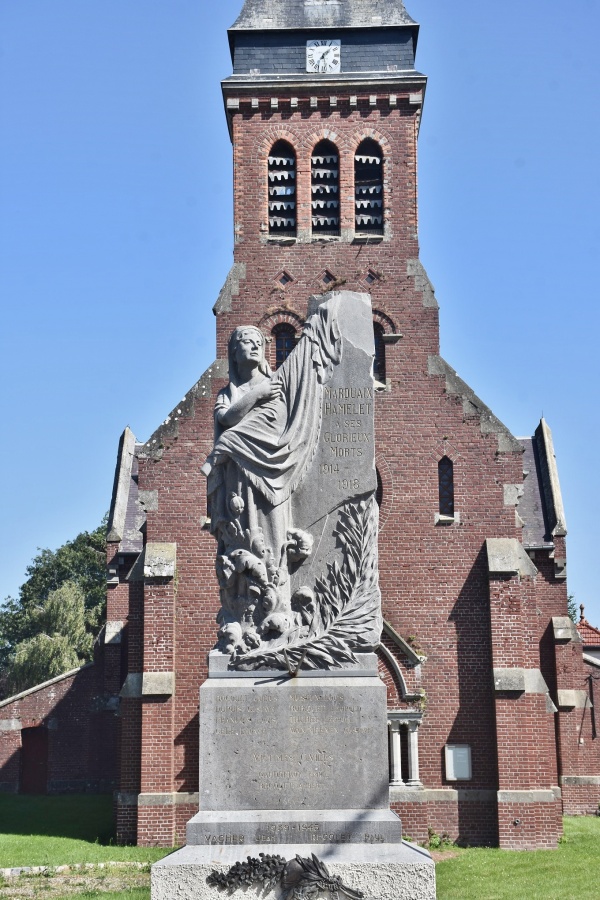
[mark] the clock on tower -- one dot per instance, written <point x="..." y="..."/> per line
<point x="323" y="56"/>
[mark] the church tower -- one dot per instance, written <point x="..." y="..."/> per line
<point x="323" y="108"/>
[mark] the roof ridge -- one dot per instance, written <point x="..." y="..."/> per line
<point x="473" y="406"/>
<point x="291" y="14"/>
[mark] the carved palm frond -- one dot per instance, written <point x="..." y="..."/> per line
<point x="348" y="603"/>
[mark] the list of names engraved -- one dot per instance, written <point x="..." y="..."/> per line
<point x="294" y="742"/>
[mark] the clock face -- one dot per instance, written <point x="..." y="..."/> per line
<point x="323" y="56"/>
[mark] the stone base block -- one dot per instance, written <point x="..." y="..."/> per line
<point x="293" y="743"/>
<point x="382" y="872"/>
<point x="298" y="826"/>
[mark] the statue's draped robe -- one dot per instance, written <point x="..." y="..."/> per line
<point x="264" y="458"/>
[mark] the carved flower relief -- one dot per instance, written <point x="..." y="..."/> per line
<point x="253" y="609"/>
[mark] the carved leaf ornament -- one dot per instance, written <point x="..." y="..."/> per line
<point x="300" y="878"/>
<point x="347" y="614"/>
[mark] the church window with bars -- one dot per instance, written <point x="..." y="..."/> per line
<point x="285" y="341"/>
<point x="379" y="360"/>
<point x="446" y="486"/>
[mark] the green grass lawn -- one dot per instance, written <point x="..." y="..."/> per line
<point x="54" y="831"/>
<point x="570" y="873"/>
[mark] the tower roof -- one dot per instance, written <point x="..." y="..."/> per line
<point x="294" y="14"/>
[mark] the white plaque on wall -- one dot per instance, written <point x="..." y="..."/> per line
<point x="458" y="762"/>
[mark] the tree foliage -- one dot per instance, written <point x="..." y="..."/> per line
<point x="572" y="608"/>
<point x="40" y="658"/>
<point x="50" y="627"/>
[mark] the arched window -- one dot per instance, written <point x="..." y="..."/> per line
<point x="285" y="341"/>
<point x="325" y="187"/>
<point x="282" y="190"/>
<point x="379" y="489"/>
<point x="368" y="185"/>
<point x="379" y="361"/>
<point x="446" y="486"/>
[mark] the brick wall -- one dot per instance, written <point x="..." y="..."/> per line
<point x="578" y="740"/>
<point x="10" y="749"/>
<point x="81" y="733"/>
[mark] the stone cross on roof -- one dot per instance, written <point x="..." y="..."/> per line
<point x="293" y="14"/>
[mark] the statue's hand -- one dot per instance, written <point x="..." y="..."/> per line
<point x="269" y="390"/>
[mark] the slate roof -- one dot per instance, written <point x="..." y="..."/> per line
<point x="536" y="532"/>
<point x="126" y="516"/>
<point x="293" y="14"/>
<point x="133" y="539"/>
<point x="541" y="506"/>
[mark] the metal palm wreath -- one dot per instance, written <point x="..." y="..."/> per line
<point x="300" y="878"/>
<point x="306" y="877"/>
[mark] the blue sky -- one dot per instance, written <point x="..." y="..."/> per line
<point x="116" y="235"/>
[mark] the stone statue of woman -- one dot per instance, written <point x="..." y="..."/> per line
<point x="266" y="431"/>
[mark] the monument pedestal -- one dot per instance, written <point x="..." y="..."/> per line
<point x="384" y="872"/>
<point x="296" y="766"/>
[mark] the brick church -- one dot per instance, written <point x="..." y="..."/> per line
<point x="492" y="735"/>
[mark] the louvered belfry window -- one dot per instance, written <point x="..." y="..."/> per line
<point x="282" y="190"/>
<point x="379" y="361"/>
<point x="325" y="188"/>
<point x="368" y="184"/>
<point x="285" y="341"/>
<point x="446" y="486"/>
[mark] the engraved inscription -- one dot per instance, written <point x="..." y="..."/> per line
<point x="329" y="469"/>
<point x="345" y="437"/>
<point x="329" y="837"/>
<point x="230" y="717"/>
<point x="346" y="429"/>
<point x="313" y="833"/>
<point x="224" y="839"/>
<point x="307" y="714"/>
<point x="293" y="762"/>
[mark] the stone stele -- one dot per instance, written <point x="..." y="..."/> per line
<point x="293" y="720"/>
<point x="291" y="485"/>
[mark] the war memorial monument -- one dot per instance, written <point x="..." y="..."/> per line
<point x="326" y="413"/>
<point x="294" y="783"/>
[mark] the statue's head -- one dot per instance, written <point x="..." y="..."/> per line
<point x="246" y="348"/>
